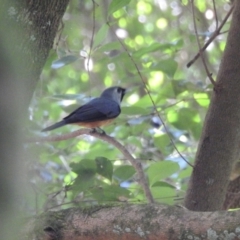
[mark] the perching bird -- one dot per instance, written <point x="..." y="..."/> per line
<point x="96" y="113"/>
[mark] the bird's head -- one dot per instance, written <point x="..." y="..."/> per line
<point x="114" y="93"/>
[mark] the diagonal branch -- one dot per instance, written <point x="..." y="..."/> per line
<point x="104" y="137"/>
<point x="153" y="103"/>
<point x="214" y="35"/>
<point x="199" y="46"/>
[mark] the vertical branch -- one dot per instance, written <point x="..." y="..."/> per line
<point x="199" y="46"/>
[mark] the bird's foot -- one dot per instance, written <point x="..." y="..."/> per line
<point x="98" y="130"/>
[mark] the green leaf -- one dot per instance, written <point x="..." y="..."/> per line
<point x="163" y="184"/>
<point x="179" y="86"/>
<point x="196" y="129"/>
<point x="168" y="66"/>
<point x="162" y="142"/>
<point x="184" y="119"/>
<point x="161" y="170"/>
<point x="101" y="35"/>
<point x="134" y="140"/>
<point x="86" y="170"/>
<point x="116" y="5"/>
<point x="202" y="99"/>
<point x="110" y="46"/>
<point x="166" y="91"/>
<point x="134" y="110"/>
<point x="158" y="47"/>
<point x="123" y="173"/>
<point x="85" y="166"/>
<point x="164" y="194"/>
<point x="137" y="129"/>
<point x="145" y="102"/>
<point x="64" y="61"/>
<point x="111" y="193"/>
<point x="104" y="167"/>
<point x="185" y="173"/>
<point x="83" y="182"/>
<point x="152" y="48"/>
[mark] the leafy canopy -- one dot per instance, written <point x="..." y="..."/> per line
<point x="137" y="45"/>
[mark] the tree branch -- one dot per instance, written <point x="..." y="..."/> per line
<point x="153" y="103"/>
<point x="133" y="222"/>
<point x="199" y="46"/>
<point x="214" y="35"/>
<point x="104" y="137"/>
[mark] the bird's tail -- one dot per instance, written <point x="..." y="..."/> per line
<point x="56" y="125"/>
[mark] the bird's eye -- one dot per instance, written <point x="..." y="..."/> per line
<point x="119" y="90"/>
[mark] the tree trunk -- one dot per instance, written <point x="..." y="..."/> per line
<point x="27" y="31"/>
<point x="218" y="149"/>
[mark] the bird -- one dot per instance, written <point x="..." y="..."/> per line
<point x="96" y="113"/>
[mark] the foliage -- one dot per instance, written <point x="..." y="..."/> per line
<point x="135" y="44"/>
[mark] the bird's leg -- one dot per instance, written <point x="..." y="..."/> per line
<point x="98" y="130"/>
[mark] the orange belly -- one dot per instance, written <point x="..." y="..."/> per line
<point x="94" y="124"/>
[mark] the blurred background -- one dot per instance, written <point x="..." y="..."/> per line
<point x="138" y="45"/>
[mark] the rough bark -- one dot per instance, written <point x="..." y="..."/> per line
<point x="219" y="144"/>
<point x="27" y="31"/>
<point x="33" y="26"/>
<point x="232" y="199"/>
<point x="150" y="221"/>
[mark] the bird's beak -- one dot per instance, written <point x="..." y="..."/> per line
<point x="123" y="93"/>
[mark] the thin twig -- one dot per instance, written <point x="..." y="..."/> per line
<point x="154" y="105"/>
<point x="91" y="41"/>
<point x="199" y="46"/>
<point x="214" y="35"/>
<point x="59" y="32"/>
<point x="215" y="14"/>
<point x="104" y="137"/>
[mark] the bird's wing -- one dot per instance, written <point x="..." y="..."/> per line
<point x="98" y="109"/>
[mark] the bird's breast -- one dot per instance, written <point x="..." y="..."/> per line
<point x="95" y="124"/>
